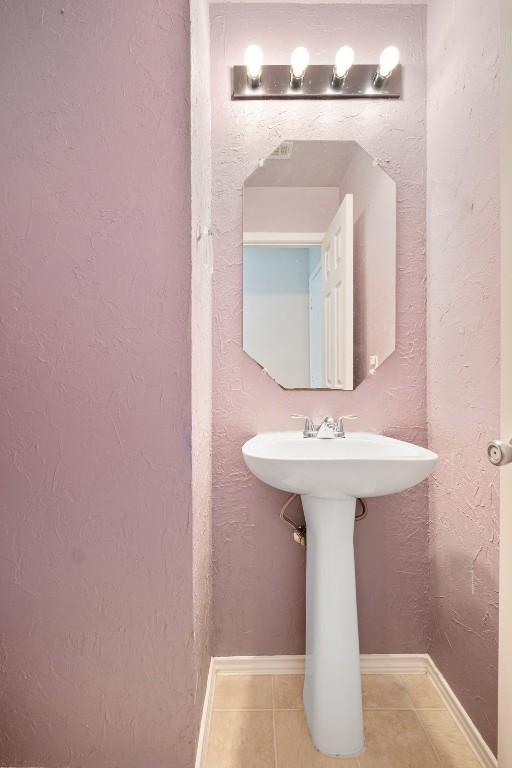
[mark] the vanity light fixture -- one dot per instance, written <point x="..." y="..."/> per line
<point x="302" y="80"/>
<point x="342" y="63"/>
<point x="299" y="64"/>
<point x="389" y="59"/>
<point x="253" y="65"/>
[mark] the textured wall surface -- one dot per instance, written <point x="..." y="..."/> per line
<point x="463" y="346"/>
<point x="202" y="260"/>
<point x="289" y="209"/>
<point x="96" y="623"/>
<point x="258" y="571"/>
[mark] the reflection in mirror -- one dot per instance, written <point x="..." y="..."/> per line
<point x="319" y="265"/>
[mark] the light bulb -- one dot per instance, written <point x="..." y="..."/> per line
<point x="389" y="58"/>
<point x="343" y="62"/>
<point x="300" y="61"/>
<point x="253" y="63"/>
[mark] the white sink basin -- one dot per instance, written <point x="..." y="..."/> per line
<point x="330" y="474"/>
<point x="363" y="464"/>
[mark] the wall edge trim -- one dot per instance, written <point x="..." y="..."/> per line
<point x="206" y="716"/>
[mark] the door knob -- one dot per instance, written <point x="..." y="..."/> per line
<point x="499" y="452"/>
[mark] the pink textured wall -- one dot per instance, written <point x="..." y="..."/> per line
<point x="463" y="347"/>
<point x="96" y="575"/>
<point x="258" y="571"/>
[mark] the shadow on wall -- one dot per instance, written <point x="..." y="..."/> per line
<point x="462" y="599"/>
<point x="393" y="522"/>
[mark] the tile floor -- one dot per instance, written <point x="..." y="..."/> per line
<point x="258" y="722"/>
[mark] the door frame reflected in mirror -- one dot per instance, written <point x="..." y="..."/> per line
<point x="282" y="240"/>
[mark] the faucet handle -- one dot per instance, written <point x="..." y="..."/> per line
<point x="340" y="429"/>
<point x="309" y="428"/>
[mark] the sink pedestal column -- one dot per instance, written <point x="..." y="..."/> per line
<point x="332" y="688"/>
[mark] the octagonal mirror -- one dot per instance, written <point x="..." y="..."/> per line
<point x="319" y="265"/>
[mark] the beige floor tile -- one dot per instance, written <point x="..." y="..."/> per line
<point x="396" y="739"/>
<point x="385" y="692"/>
<point x="288" y="691"/>
<point x="241" y="740"/>
<point x="294" y="747"/>
<point x="243" y="692"/>
<point x="421" y="691"/>
<point x="449" y="743"/>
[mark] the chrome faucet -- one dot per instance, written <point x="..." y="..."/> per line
<point x="329" y="428"/>
<point x="309" y="428"/>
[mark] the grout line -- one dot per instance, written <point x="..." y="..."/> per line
<point x="442" y="708"/>
<point x="243" y="709"/>
<point x="300" y="709"/>
<point x="274" y="724"/>
<point x="389" y="709"/>
<point x="434" y="750"/>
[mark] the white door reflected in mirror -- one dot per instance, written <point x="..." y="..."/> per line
<point x="338" y="287"/>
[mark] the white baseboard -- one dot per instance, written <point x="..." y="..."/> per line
<point x="259" y="665"/>
<point x="371" y="663"/>
<point x="394" y="663"/>
<point x="461" y="717"/>
<point x="376" y="663"/>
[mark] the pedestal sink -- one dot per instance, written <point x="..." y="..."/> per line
<point x="330" y="475"/>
